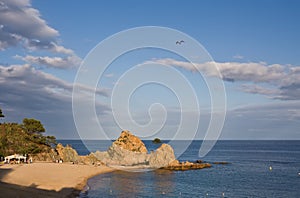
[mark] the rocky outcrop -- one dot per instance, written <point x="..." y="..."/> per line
<point x="50" y="156"/>
<point x="156" y="141"/>
<point x="129" y="150"/>
<point x="163" y="156"/>
<point x="89" y="160"/>
<point x="118" y="156"/>
<point x="67" y="153"/>
<point x="183" y="166"/>
<point x="130" y="142"/>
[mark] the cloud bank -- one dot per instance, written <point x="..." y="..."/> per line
<point x="26" y="88"/>
<point x="22" y="25"/>
<point x="28" y="92"/>
<point x="275" y="80"/>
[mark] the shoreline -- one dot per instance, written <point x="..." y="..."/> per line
<point x="47" y="179"/>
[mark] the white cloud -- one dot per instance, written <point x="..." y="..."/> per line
<point x="20" y="24"/>
<point x="56" y="62"/>
<point x="256" y="89"/>
<point x="285" y="79"/>
<point x="254" y="72"/>
<point x="60" y="49"/>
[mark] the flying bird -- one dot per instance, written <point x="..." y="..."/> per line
<point x="179" y="42"/>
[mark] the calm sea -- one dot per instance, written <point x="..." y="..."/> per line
<point x="247" y="175"/>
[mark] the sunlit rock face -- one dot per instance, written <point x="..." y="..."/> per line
<point x="129" y="150"/>
<point x="130" y="142"/>
<point x="162" y="156"/>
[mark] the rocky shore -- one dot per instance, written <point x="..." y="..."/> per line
<point x="127" y="151"/>
<point x="67" y="178"/>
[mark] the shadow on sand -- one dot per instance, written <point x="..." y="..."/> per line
<point x="16" y="191"/>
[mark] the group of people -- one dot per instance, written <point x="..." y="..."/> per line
<point x="59" y="161"/>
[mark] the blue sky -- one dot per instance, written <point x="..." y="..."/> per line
<point x="254" y="43"/>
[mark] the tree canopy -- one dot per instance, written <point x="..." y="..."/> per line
<point x="33" y="126"/>
<point x="25" y="138"/>
<point x="1" y="114"/>
<point x="14" y="139"/>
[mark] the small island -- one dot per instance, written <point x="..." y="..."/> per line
<point x="156" y="141"/>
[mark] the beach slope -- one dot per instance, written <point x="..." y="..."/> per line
<point x="48" y="179"/>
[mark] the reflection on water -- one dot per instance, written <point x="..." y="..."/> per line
<point x="132" y="184"/>
<point x="247" y="175"/>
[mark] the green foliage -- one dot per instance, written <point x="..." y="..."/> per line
<point x="1" y="114"/>
<point x="33" y="126"/>
<point x="15" y="138"/>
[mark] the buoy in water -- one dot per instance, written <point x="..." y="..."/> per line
<point x="270" y="168"/>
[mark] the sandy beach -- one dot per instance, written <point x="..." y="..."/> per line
<point x="46" y="179"/>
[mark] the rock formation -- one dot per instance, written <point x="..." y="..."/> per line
<point x="130" y="142"/>
<point x="67" y="153"/>
<point x="89" y="160"/>
<point x="49" y="156"/>
<point x="182" y="166"/>
<point x="128" y="150"/>
<point x="156" y="141"/>
<point x="163" y="156"/>
<point x="118" y="156"/>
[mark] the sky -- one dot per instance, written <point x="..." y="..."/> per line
<point x="253" y="44"/>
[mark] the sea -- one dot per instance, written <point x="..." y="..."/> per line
<point x="256" y="169"/>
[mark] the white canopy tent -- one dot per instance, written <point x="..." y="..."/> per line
<point x="17" y="157"/>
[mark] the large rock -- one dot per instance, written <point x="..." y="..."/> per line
<point x="50" y="156"/>
<point x="89" y="160"/>
<point x="130" y="142"/>
<point x="67" y="153"/>
<point x="129" y="150"/>
<point x="117" y="156"/>
<point x="162" y="157"/>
